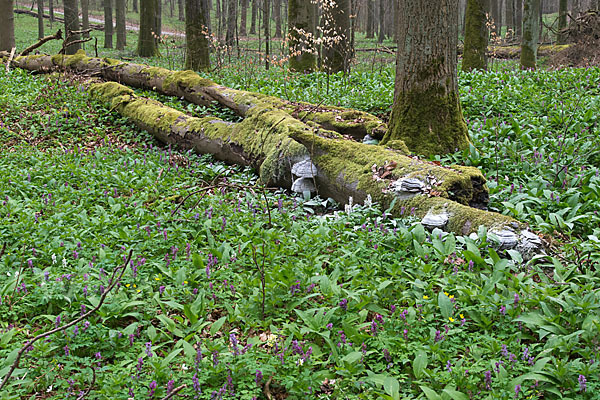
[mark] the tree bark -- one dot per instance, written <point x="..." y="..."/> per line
<point x="266" y="25"/>
<point x="135" y="6"/>
<point x="370" y="19"/>
<point x="562" y="21"/>
<point x="7" y="25"/>
<point x="146" y="41"/>
<point x="253" y="17"/>
<point x="51" y="11"/>
<point x="40" y="17"/>
<point x="510" y="18"/>
<point x="336" y="34"/>
<point x="381" y="18"/>
<point x="108" y="25"/>
<point x="301" y="34"/>
<point x="120" y="10"/>
<point x="197" y="55"/>
<point x="277" y="17"/>
<point x="531" y="32"/>
<point x="85" y="19"/>
<point x="231" y="22"/>
<point x="181" y="8"/>
<point x="476" y="36"/>
<point x="518" y="18"/>
<point x="71" y="24"/>
<point x="158" y="20"/>
<point x="494" y="11"/>
<point x="426" y="113"/>
<point x="243" y="17"/>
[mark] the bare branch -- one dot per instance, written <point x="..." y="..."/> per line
<point x="173" y="392"/>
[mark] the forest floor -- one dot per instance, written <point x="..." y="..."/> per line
<point x="243" y="291"/>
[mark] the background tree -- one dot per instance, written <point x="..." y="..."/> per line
<point x="71" y="24"/>
<point x="158" y="20"/>
<point x="301" y="35"/>
<point x="426" y="113"/>
<point x="518" y="18"/>
<point x="108" y="24"/>
<point x="7" y="25"/>
<point x="51" y="11"/>
<point x="231" y="22"/>
<point x="562" y="21"/>
<point x="197" y="54"/>
<point x="120" y="10"/>
<point x="146" y="40"/>
<point x="85" y="16"/>
<point x="277" y="17"/>
<point x="336" y="35"/>
<point x="509" y="11"/>
<point x="135" y="6"/>
<point x="181" y="10"/>
<point x="253" y="17"/>
<point x="531" y="33"/>
<point x="243" y="17"/>
<point x="40" y="10"/>
<point x="476" y="36"/>
<point x="370" y="29"/>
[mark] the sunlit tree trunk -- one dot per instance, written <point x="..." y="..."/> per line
<point x="197" y="55"/>
<point x="476" y="36"/>
<point x="426" y="113"/>
<point x="40" y="9"/>
<point x="85" y="18"/>
<point x="120" y="10"/>
<point x="336" y="32"/>
<point x="71" y="24"/>
<point x="146" y="41"/>
<point x="108" y="24"/>
<point x="301" y="34"/>
<point x="531" y="29"/>
<point x="7" y="25"/>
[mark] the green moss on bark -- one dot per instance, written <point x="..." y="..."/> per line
<point x="476" y="37"/>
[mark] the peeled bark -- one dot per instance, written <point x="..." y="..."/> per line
<point x="476" y="36"/>
<point x="197" y="55"/>
<point x="7" y="25"/>
<point x="120" y="10"/>
<point x="71" y="24"/>
<point x="531" y="31"/>
<point x="301" y="35"/>
<point x="426" y="113"/>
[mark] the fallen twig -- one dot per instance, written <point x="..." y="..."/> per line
<point x="120" y="270"/>
<point x="10" y="58"/>
<point x="56" y="36"/>
<point x="173" y="392"/>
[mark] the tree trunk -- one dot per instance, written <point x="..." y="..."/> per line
<point x="158" y="20"/>
<point x="7" y="25"/>
<point x="85" y="18"/>
<point x="518" y="18"/>
<point x="426" y="114"/>
<point x="531" y="29"/>
<point x="576" y="8"/>
<point x="51" y="11"/>
<point x="301" y="33"/>
<point x="71" y="24"/>
<point x="244" y="17"/>
<point x="462" y="16"/>
<point x="476" y="36"/>
<point x="181" y="7"/>
<point x="40" y="10"/>
<point x="370" y="19"/>
<point x="381" y="18"/>
<point x="146" y="41"/>
<point x="253" y="17"/>
<point x="562" y="21"/>
<point x="108" y="24"/>
<point x="510" y="18"/>
<point x="277" y="17"/>
<point x="494" y="11"/>
<point x="266" y="18"/>
<point x="336" y="33"/>
<point x="231" y="22"/>
<point x="197" y="55"/>
<point x="120" y="10"/>
<point x="135" y="6"/>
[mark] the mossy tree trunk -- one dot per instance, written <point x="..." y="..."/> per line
<point x="336" y="35"/>
<point x="301" y="34"/>
<point x="120" y="10"/>
<point x="197" y="56"/>
<point x="562" y="21"/>
<point x="426" y="113"/>
<point x="146" y="41"/>
<point x="40" y="9"/>
<point x="518" y="18"/>
<point x="108" y="25"/>
<point x="531" y="33"/>
<point x="476" y="36"/>
<point x="7" y="25"/>
<point x="85" y="17"/>
<point x="71" y="24"/>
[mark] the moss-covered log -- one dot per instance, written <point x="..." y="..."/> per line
<point x="198" y="90"/>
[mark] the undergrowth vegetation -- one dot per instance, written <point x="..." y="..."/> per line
<point x="238" y="291"/>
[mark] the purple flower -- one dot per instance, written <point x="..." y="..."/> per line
<point x="488" y="379"/>
<point x="295" y="288"/>
<point x="449" y="366"/>
<point x="66" y="349"/>
<point x="503" y="310"/>
<point x="258" y="377"/>
<point x="329" y="326"/>
<point x="344" y="304"/>
<point x="517" y="390"/>
<point x="151" y="388"/>
<point x="516" y="299"/>
<point x="57" y="322"/>
<point x="582" y="383"/>
<point x="196" y="384"/>
<point x="149" y="349"/>
<point x="170" y="386"/>
<point x="438" y="336"/>
<point x="161" y="289"/>
<point x="86" y="325"/>
<point x="374" y="327"/>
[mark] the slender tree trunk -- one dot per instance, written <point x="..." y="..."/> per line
<point x="462" y="16"/>
<point x="7" y="25"/>
<point x="476" y="36"/>
<point x="51" y="11"/>
<point x="253" y="17"/>
<point x="266" y="17"/>
<point x="562" y="21"/>
<point x="197" y="56"/>
<point x="381" y="37"/>
<point x="85" y="16"/>
<point x="120" y="10"/>
<point x="277" y="17"/>
<point x="301" y="33"/>
<point x="336" y="32"/>
<point x="426" y="113"/>
<point x="370" y="19"/>
<point x="135" y="6"/>
<point x="494" y="11"/>
<point x="171" y="8"/>
<point x="146" y="41"/>
<point x="531" y="28"/>
<point x="231" y="22"/>
<point x="158" y="19"/>
<point x="243" y="17"/>
<point x="40" y="9"/>
<point x="71" y="24"/>
<point x="518" y="18"/>
<point x="181" y="8"/>
<point x="108" y="24"/>
<point x="500" y="19"/>
<point x="207" y="6"/>
<point x="510" y="18"/>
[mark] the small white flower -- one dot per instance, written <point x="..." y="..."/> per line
<point x="368" y="201"/>
<point x="53" y="259"/>
<point x="64" y="262"/>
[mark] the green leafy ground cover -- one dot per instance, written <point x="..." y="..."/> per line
<point x="356" y="305"/>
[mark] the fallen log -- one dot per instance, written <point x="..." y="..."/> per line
<point x="197" y="90"/>
<point x="290" y="153"/>
<point x="514" y="51"/>
<point x="98" y="27"/>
